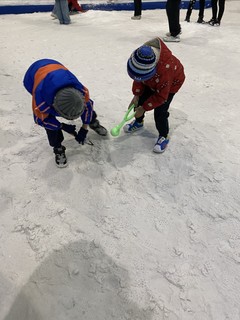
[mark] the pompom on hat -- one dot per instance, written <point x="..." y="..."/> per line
<point x="69" y="103"/>
<point x="141" y="65"/>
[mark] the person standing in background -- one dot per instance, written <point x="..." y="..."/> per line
<point x="201" y="10"/>
<point x="73" y="8"/>
<point x="62" y="12"/>
<point x="217" y="14"/>
<point x="137" y="10"/>
<point x="173" y="14"/>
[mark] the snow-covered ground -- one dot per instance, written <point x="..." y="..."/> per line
<point x="122" y="233"/>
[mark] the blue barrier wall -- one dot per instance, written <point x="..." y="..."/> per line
<point x="19" y="9"/>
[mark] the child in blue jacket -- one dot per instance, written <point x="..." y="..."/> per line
<point x="56" y="92"/>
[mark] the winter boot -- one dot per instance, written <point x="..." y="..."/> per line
<point x="200" y="20"/>
<point x="160" y="144"/>
<point x="214" y="22"/>
<point x="133" y="126"/>
<point x="60" y="157"/>
<point x="54" y="15"/>
<point x="98" y="128"/>
<point x="136" y="17"/>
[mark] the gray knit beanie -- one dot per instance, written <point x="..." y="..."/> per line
<point x="69" y="103"/>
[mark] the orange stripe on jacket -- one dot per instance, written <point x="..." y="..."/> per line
<point x="86" y="93"/>
<point x="39" y="76"/>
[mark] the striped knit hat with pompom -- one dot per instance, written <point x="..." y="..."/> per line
<point x="141" y="65"/>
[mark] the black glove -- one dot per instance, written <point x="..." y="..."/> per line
<point x="81" y="136"/>
<point x="69" y="128"/>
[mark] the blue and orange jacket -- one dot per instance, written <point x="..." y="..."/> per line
<point x="42" y="80"/>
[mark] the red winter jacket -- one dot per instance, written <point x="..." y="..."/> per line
<point x="168" y="78"/>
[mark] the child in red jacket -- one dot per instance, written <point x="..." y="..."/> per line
<point x="157" y="75"/>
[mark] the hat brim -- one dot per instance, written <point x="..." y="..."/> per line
<point x="67" y="116"/>
<point x="72" y="117"/>
<point x="140" y="77"/>
<point x="67" y="108"/>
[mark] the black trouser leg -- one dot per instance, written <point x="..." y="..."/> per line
<point x="137" y="7"/>
<point x="173" y="13"/>
<point x="55" y="138"/>
<point x="201" y="8"/>
<point x="214" y="9"/>
<point x="94" y="117"/>
<point x="190" y="8"/>
<point x="161" y="115"/>
<point x="221" y="9"/>
<point x="146" y="94"/>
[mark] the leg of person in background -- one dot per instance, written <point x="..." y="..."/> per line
<point x="54" y="12"/>
<point x="62" y="11"/>
<point x="58" y="11"/>
<point x="65" y="11"/>
<point x="137" y="10"/>
<point x="221" y="10"/>
<point x="214" y="12"/>
<point x="201" y="11"/>
<point x="69" y="6"/>
<point x="189" y="10"/>
<point x="173" y="14"/>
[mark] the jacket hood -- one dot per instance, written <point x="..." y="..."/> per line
<point x="155" y="43"/>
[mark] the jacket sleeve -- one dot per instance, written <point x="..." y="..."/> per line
<point x="161" y="88"/>
<point x="44" y="115"/>
<point x="87" y="114"/>
<point x="50" y="122"/>
<point x="137" y="88"/>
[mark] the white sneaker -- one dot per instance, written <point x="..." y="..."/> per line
<point x="171" y="39"/>
<point x="161" y="144"/>
<point x="136" y="17"/>
<point x="54" y="15"/>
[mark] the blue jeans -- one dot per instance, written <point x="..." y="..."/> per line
<point x="62" y="11"/>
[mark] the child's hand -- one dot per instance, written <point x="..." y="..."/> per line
<point x="139" y="111"/>
<point x="134" y="101"/>
<point x="81" y="136"/>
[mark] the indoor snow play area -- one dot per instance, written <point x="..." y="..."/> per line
<point x="121" y="233"/>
